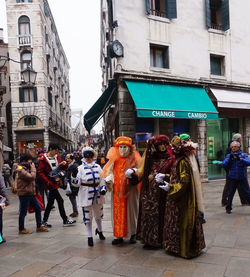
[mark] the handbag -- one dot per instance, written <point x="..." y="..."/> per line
<point x="14" y="186"/>
<point x="40" y="201"/>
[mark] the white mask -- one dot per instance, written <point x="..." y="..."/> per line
<point x="124" y="150"/>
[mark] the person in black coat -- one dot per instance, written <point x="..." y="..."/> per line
<point x="73" y="164"/>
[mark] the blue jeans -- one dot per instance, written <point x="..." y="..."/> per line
<point x="24" y="202"/>
<point x="244" y="187"/>
<point x="1" y="221"/>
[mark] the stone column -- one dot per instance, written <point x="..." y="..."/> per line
<point x="202" y="152"/>
<point x="126" y="113"/>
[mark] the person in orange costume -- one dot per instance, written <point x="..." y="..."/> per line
<point x="125" y="192"/>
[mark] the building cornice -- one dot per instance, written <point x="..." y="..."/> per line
<point x="204" y="82"/>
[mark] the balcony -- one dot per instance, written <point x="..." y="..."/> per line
<point x="24" y="40"/>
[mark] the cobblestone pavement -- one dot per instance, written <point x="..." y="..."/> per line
<point x="64" y="252"/>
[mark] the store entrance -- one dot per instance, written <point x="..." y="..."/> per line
<point x="219" y="133"/>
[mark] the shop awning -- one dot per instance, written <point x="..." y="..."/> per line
<point x="171" y="101"/>
<point x="96" y="112"/>
<point x="232" y="98"/>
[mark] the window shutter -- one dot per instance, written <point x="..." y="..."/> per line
<point x="225" y="15"/>
<point x="18" y="1"/>
<point x="166" y="57"/>
<point x="208" y="20"/>
<point x="171" y="10"/>
<point x="21" y="95"/>
<point x="30" y="1"/>
<point x="148" y="10"/>
<point x="35" y="94"/>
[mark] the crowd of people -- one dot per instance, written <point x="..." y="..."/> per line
<point x="156" y="199"/>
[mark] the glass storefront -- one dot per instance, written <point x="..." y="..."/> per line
<point x="219" y="133"/>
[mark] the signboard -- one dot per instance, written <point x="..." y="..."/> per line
<point x="176" y="114"/>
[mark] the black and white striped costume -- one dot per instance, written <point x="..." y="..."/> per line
<point x="89" y="197"/>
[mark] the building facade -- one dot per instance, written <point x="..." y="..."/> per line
<point x="5" y="103"/>
<point x="40" y="112"/>
<point x="176" y="66"/>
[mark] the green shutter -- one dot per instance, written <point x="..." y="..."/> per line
<point x="225" y="15"/>
<point x="208" y="19"/>
<point x="18" y="1"/>
<point x="171" y="10"/>
<point x="21" y="95"/>
<point x="35" y="94"/>
<point x="148" y="9"/>
<point x="215" y="65"/>
<point x="30" y="1"/>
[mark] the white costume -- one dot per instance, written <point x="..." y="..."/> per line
<point x="89" y="198"/>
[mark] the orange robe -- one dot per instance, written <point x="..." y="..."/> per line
<point x="122" y="191"/>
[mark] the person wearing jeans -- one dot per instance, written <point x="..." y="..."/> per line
<point x="48" y="162"/>
<point x="26" y="190"/>
<point x="236" y="163"/>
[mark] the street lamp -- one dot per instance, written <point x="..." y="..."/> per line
<point x="29" y="75"/>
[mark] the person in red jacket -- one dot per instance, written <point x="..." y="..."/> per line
<point x="48" y="162"/>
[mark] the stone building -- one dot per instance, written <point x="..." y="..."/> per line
<point x="41" y="111"/>
<point x="5" y="103"/>
<point x="176" y="66"/>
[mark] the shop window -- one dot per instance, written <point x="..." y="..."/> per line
<point x="162" y="8"/>
<point x="217" y="14"/>
<point x="181" y="126"/>
<point x="26" y="59"/>
<point x="30" y="121"/>
<point x="217" y="65"/>
<point x="159" y="56"/>
<point x="28" y="94"/>
<point x="24" y="25"/>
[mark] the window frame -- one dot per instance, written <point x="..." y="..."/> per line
<point x="222" y="66"/>
<point x="26" y="62"/>
<point x="26" y="24"/>
<point x="164" y="57"/>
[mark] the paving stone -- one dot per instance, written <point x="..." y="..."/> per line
<point x="90" y="273"/>
<point x="102" y="263"/>
<point x="209" y="270"/>
<point x="33" y="270"/>
<point x="239" y="267"/>
<point x="134" y="271"/>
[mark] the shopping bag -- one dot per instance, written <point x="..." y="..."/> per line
<point x="68" y="189"/>
<point x="40" y="201"/>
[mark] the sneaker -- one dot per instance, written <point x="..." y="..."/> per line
<point x="69" y="222"/>
<point x="46" y="224"/>
<point x="74" y="214"/>
<point x="42" y="229"/>
<point x="228" y="211"/>
<point x="24" y="232"/>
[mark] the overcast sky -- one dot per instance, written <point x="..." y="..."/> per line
<point x="78" y="25"/>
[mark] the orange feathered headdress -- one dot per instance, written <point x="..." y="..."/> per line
<point x="123" y="141"/>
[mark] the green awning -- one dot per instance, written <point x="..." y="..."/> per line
<point x="96" y="112"/>
<point x="171" y="101"/>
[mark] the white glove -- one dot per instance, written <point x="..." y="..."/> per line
<point x="129" y="172"/>
<point x="159" y="178"/>
<point x="165" y="186"/>
<point x="109" y="179"/>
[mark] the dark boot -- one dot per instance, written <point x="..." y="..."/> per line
<point x="132" y="239"/>
<point x="101" y="236"/>
<point x="90" y="241"/>
<point x="117" y="241"/>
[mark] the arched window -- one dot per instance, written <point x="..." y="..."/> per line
<point x="30" y="121"/>
<point x="26" y="59"/>
<point x="24" y="25"/>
